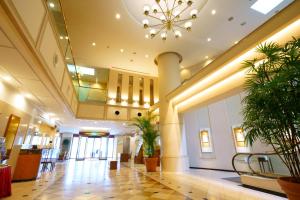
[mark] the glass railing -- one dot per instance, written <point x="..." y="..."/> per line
<point x="260" y="164"/>
<point x="90" y="83"/>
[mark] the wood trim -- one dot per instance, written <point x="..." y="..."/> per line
<point x="7" y="126"/>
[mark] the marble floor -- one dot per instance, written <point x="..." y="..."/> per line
<point x="92" y="180"/>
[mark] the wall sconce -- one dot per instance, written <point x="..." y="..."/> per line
<point x="124" y="103"/>
<point x="147" y="105"/>
<point x="205" y="140"/>
<point x="135" y="104"/>
<point x="112" y="101"/>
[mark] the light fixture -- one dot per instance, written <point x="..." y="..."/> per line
<point x="213" y="12"/>
<point x="118" y="16"/>
<point x="66" y="37"/>
<point x="206" y="57"/>
<point x="121" y="50"/>
<point x="94" y="44"/>
<point x="146" y="56"/>
<point x="239" y="136"/>
<point x="236" y="42"/>
<point x="147" y="36"/>
<point x="51" y="5"/>
<point x="61" y="37"/>
<point x="169" y="16"/>
<point x="264" y="6"/>
<point x="208" y="39"/>
<point x="7" y="78"/>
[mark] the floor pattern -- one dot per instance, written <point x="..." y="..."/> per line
<point x="92" y="180"/>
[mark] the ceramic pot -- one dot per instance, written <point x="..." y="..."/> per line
<point x="290" y="187"/>
<point x="151" y="164"/>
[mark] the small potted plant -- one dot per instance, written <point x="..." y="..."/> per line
<point x="272" y="107"/>
<point x="149" y="134"/>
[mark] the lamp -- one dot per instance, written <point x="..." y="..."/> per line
<point x="169" y="16"/>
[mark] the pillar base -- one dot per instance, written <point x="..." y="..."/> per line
<point x="174" y="164"/>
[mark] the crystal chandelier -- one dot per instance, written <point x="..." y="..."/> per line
<point x="169" y="16"/>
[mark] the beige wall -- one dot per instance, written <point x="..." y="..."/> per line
<point x="219" y="116"/>
<point x="12" y="102"/>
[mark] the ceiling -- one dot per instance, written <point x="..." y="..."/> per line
<point x="95" y="21"/>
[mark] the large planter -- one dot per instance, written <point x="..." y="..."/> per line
<point x="151" y="164"/>
<point x="290" y="187"/>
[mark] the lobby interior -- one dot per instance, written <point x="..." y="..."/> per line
<point x="92" y="93"/>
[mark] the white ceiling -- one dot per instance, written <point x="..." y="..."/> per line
<point x="95" y="22"/>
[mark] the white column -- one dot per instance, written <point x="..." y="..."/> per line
<point x="174" y="154"/>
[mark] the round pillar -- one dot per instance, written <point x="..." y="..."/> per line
<point x="173" y="142"/>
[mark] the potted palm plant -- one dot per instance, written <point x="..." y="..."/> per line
<point x="272" y="106"/>
<point x="146" y="125"/>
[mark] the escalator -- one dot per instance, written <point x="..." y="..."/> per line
<point x="260" y="170"/>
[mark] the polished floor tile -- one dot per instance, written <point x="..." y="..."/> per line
<point x="92" y="180"/>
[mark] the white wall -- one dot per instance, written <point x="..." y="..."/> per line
<point x="219" y="116"/>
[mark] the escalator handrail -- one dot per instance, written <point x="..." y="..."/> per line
<point x="249" y="155"/>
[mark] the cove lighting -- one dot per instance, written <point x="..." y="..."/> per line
<point x="265" y="6"/>
<point x="183" y="96"/>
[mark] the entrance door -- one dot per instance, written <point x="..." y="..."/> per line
<point x="74" y="147"/>
<point x="81" y="148"/>
<point x="97" y="146"/>
<point x="89" y="148"/>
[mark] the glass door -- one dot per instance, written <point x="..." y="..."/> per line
<point x="97" y="146"/>
<point x="89" y="148"/>
<point x="103" y="148"/>
<point x="81" y="148"/>
<point x="74" y="147"/>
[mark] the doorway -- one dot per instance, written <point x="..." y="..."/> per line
<point x="92" y="147"/>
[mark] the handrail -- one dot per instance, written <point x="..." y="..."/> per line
<point x="248" y="156"/>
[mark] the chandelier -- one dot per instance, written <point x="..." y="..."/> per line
<point x="169" y="16"/>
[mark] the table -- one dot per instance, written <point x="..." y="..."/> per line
<point x="5" y="181"/>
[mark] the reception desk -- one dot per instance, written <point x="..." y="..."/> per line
<point x="27" y="166"/>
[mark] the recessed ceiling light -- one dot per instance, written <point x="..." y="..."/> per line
<point x="236" y="42"/>
<point x="147" y="36"/>
<point x="264" y="6"/>
<point x="67" y="58"/>
<point x="118" y="16"/>
<point x="213" y="12"/>
<point x="61" y="37"/>
<point x="51" y="5"/>
<point x="146" y="56"/>
<point x="206" y="57"/>
<point x="94" y="44"/>
<point x="7" y="78"/>
<point x="66" y="37"/>
<point x="208" y="39"/>
<point x="122" y="50"/>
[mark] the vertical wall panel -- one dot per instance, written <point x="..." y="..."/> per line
<point x="147" y="90"/>
<point x="125" y="84"/>
<point x="112" y="85"/>
<point x="136" y="87"/>
<point x="156" y="96"/>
